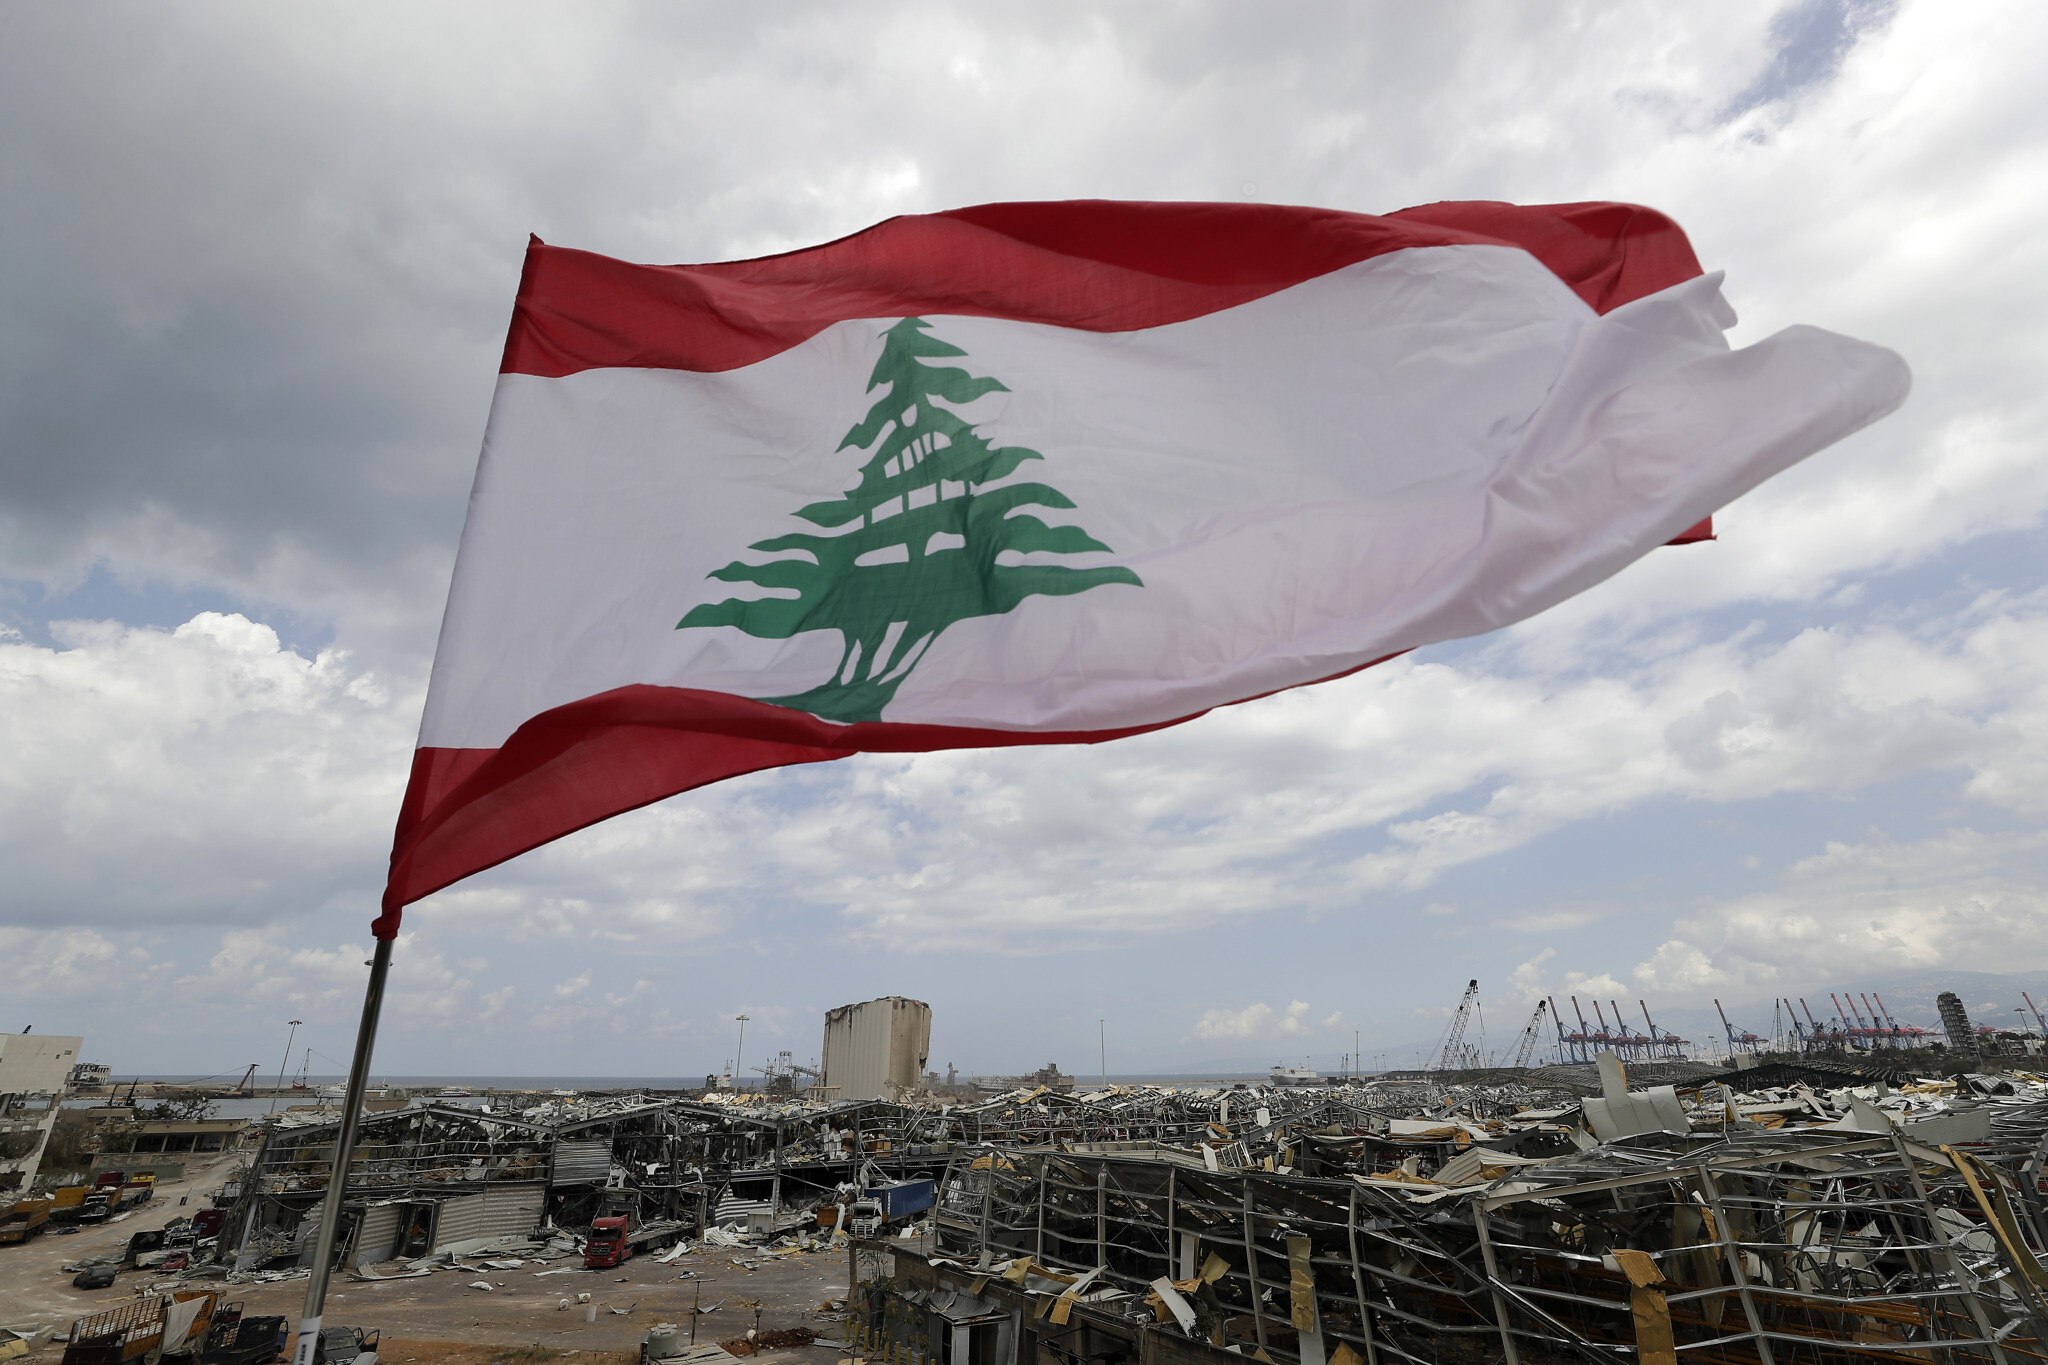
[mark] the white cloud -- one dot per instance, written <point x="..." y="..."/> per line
<point x="1527" y="980"/>
<point x="1255" y="1022"/>
<point x="1961" y="899"/>
<point x="202" y="774"/>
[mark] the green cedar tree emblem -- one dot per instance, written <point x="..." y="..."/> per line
<point x="921" y="532"/>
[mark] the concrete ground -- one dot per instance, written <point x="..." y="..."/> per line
<point x="440" y="1319"/>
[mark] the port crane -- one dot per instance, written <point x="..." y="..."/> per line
<point x="1745" y="1041"/>
<point x="1527" y="1047"/>
<point x="1453" y="1055"/>
<point x="1663" y="1042"/>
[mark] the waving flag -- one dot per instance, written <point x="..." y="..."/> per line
<point x="1054" y="473"/>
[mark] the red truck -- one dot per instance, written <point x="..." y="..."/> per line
<point x="607" y="1245"/>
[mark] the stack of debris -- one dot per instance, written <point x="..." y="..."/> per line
<point x="1769" y="1224"/>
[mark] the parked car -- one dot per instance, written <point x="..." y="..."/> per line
<point x="94" y="1277"/>
<point x="346" y="1346"/>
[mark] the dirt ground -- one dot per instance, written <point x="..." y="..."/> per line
<point x="440" y="1319"/>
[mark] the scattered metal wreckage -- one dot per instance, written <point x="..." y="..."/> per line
<point x="1433" y="1221"/>
<point x="1791" y="1210"/>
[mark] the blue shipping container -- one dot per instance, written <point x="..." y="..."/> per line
<point x="904" y="1197"/>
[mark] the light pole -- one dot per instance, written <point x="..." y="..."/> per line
<point x="285" y="1063"/>
<point x="1102" y="1036"/>
<point x="739" y="1050"/>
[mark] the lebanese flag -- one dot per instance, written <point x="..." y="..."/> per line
<point x="1059" y="473"/>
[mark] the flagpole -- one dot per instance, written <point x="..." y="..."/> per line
<point x="344" y="1144"/>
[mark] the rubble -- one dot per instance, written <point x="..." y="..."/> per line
<point x="1789" y="1210"/>
<point x="1502" y="1221"/>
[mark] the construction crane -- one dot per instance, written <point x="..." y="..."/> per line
<point x="1528" y="1043"/>
<point x="2037" y="1013"/>
<point x="242" y="1086"/>
<point x="1454" y="1037"/>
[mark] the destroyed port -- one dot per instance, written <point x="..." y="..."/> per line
<point x="1847" y="1186"/>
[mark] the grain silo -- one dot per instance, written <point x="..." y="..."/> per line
<point x="876" y="1050"/>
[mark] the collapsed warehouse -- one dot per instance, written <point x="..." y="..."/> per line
<point x="1792" y="1209"/>
<point x="1437" y="1223"/>
<point x="1810" y="1216"/>
<point x="435" y="1179"/>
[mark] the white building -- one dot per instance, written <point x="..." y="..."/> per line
<point x="876" y="1050"/>
<point x="91" y="1074"/>
<point x="33" y="1071"/>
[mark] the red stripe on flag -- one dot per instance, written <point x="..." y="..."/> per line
<point x="469" y="809"/>
<point x="1096" y="265"/>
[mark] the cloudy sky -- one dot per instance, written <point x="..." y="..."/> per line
<point x="257" y="267"/>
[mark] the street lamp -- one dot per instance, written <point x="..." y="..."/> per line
<point x="285" y="1063"/>
<point x="739" y="1051"/>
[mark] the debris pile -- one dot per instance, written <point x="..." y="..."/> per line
<point x="1500" y="1221"/>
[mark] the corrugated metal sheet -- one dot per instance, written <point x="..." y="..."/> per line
<point x="501" y="1211"/>
<point x="581" y="1162"/>
<point x="513" y="1209"/>
<point x="877" y="1049"/>
<point x="377" y="1233"/>
<point x="462" y="1220"/>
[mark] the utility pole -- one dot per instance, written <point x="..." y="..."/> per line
<point x="738" y="1051"/>
<point x="285" y="1063"/>
<point x="1102" y="1032"/>
<point x="1357" y="1061"/>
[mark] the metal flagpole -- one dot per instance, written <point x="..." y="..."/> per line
<point x="344" y="1144"/>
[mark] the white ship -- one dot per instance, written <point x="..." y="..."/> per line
<point x="1293" y="1075"/>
